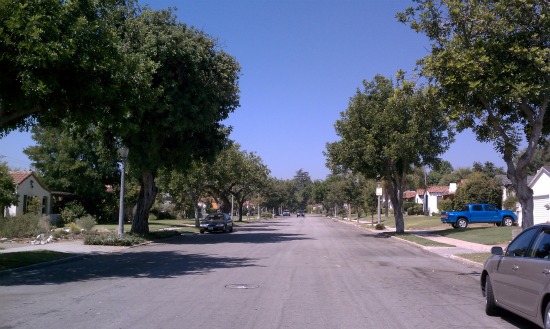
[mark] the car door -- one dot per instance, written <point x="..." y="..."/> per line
<point x="512" y="284"/>
<point x="533" y="275"/>
<point x="476" y="215"/>
<point x="491" y="214"/>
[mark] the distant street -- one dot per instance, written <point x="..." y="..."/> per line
<point x="283" y="273"/>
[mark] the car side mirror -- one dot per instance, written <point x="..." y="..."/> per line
<point x="497" y="251"/>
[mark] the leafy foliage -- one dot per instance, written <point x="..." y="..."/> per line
<point x="8" y="196"/>
<point x="478" y="188"/>
<point x="387" y="130"/>
<point x="492" y="62"/>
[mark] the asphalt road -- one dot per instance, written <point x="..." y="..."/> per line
<point x="284" y="273"/>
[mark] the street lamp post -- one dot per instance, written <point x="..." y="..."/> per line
<point x="123" y="152"/>
<point x="378" y="193"/>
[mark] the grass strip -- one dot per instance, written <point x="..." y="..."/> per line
<point x="25" y="258"/>
<point x="419" y="240"/>
<point x="479" y="257"/>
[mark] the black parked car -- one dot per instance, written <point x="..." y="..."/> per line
<point x="218" y="222"/>
<point x="300" y="213"/>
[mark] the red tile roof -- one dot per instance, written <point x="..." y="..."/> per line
<point x="19" y="176"/>
<point x="438" y="189"/>
<point x="409" y="194"/>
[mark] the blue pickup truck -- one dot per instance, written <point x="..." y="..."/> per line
<point x="479" y="213"/>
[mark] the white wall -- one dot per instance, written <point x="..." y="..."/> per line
<point x="541" y="197"/>
<point x="29" y="188"/>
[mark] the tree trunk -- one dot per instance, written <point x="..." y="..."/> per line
<point x="240" y="204"/>
<point x="395" y="188"/>
<point x="146" y="199"/>
<point x="197" y="212"/>
<point x="518" y="176"/>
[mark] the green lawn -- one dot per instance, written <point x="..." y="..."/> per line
<point x="24" y="258"/>
<point x="480" y="257"/>
<point x="419" y="240"/>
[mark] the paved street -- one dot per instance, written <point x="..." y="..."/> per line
<point x="284" y="273"/>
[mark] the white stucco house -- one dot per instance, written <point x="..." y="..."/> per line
<point x="540" y="184"/>
<point x="28" y="186"/>
<point x="433" y="195"/>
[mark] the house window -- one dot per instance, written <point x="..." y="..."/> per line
<point x="44" y="204"/>
<point x="25" y="203"/>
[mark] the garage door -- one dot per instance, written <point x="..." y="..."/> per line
<point x="540" y="213"/>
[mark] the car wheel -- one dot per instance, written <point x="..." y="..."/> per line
<point x="547" y="317"/>
<point x="231" y="229"/>
<point x="508" y="221"/>
<point x="202" y="231"/>
<point x="491" y="307"/>
<point x="462" y="223"/>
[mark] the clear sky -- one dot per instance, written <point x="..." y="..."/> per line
<point x="301" y="62"/>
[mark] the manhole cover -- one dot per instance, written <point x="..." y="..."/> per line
<point x="242" y="286"/>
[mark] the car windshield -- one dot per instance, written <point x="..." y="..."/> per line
<point x="214" y="217"/>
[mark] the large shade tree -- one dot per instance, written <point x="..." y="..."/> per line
<point x="491" y="59"/>
<point x="64" y="59"/>
<point x="83" y="163"/>
<point x="193" y="89"/>
<point x="8" y="196"/>
<point x="237" y="173"/>
<point x="387" y="130"/>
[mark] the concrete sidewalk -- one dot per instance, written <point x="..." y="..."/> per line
<point x="454" y="250"/>
<point x="68" y="246"/>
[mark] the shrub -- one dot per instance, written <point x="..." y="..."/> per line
<point x="417" y="209"/>
<point x="73" y="228"/>
<point x="86" y="223"/>
<point x="267" y="215"/>
<point x="445" y="205"/>
<point x="25" y="226"/>
<point x="510" y="203"/>
<point x="72" y="211"/>
<point x="380" y="227"/>
<point x="113" y="240"/>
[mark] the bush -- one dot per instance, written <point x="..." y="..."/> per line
<point x="72" y="211"/>
<point x="86" y="223"/>
<point x="417" y="209"/>
<point x="267" y="215"/>
<point x="380" y="227"/>
<point x="510" y="203"/>
<point x="73" y="228"/>
<point x="25" y="226"/>
<point x="113" y="240"/>
<point x="445" y="205"/>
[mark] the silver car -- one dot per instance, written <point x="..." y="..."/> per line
<point x="518" y="280"/>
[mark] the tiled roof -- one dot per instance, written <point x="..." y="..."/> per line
<point x="409" y="194"/>
<point x="19" y="176"/>
<point x="438" y="189"/>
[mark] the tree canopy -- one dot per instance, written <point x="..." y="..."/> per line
<point x="388" y="129"/>
<point x="64" y="59"/>
<point x="8" y="196"/>
<point x="491" y="60"/>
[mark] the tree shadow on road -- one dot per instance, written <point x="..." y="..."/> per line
<point x="142" y="264"/>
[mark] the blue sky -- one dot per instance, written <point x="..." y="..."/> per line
<point x="301" y="62"/>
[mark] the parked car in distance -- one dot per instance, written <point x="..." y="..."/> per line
<point x="479" y="213"/>
<point x="300" y="213"/>
<point x="218" y="222"/>
<point x="286" y="212"/>
<point x="518" y="280"/>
